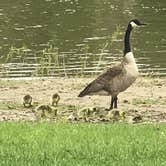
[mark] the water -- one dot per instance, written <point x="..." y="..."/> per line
<point x="78" y="37"/>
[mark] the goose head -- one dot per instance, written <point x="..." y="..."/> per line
<point x="136" y="23"/>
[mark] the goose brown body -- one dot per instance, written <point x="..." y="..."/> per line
<point x="114" y="80"/>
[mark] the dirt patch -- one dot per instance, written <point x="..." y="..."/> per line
<point x="145" y="98"/>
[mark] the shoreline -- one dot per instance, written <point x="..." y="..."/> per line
<point x="146" y="97"/>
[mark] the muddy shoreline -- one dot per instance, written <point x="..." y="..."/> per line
<point x="145" y="98"/>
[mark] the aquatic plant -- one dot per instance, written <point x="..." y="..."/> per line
<point x="107" y="44"/>
<point x="46" y="58"/>
<point x="19" y="53"/>
<point x="50" y="62"/>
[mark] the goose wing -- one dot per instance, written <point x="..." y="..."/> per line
<point x="99" y="83"/>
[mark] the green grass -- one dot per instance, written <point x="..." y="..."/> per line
<point x="63" y="144"/>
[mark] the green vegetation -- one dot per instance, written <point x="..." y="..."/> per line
<point x="63" y="144"/>
<point x="108" y="44"/>
<point x="46" y="58"/>
<point x="51" y="62"/>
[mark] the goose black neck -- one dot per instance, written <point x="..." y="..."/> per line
<point x="127" y="47"/>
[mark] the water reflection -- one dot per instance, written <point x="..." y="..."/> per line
<point x="76" y="37"/>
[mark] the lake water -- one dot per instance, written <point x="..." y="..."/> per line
<point x="78" y="37"/>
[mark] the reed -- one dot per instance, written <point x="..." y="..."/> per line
<point x="52" y="62"/>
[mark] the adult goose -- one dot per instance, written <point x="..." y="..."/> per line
<point x="117" y="78"/>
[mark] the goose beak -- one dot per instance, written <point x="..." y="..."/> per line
<point x="142" y="24"/>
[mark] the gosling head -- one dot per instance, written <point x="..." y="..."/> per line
<point x="27" y="101"/>
<point x="136" y="23"/>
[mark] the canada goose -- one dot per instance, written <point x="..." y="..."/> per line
<point x="27" y="101"/>
<point x="118" y="78"/>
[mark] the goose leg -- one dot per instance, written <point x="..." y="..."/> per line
<point x="112" y="103"/>
<point x="115" y="102"/>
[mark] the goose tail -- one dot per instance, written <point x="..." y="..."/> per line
<point x="85" y="91"/>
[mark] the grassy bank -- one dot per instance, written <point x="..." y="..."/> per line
<point x="57" y="144"/>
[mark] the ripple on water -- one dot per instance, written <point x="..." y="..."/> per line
<point x="78" y="34"/>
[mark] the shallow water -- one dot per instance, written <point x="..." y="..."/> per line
<point x="78" y="37"/>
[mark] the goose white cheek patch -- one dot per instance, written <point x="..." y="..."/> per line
<point x="133" y="24"/>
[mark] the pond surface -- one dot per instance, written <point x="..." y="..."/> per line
<point x="78" y="37"/>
